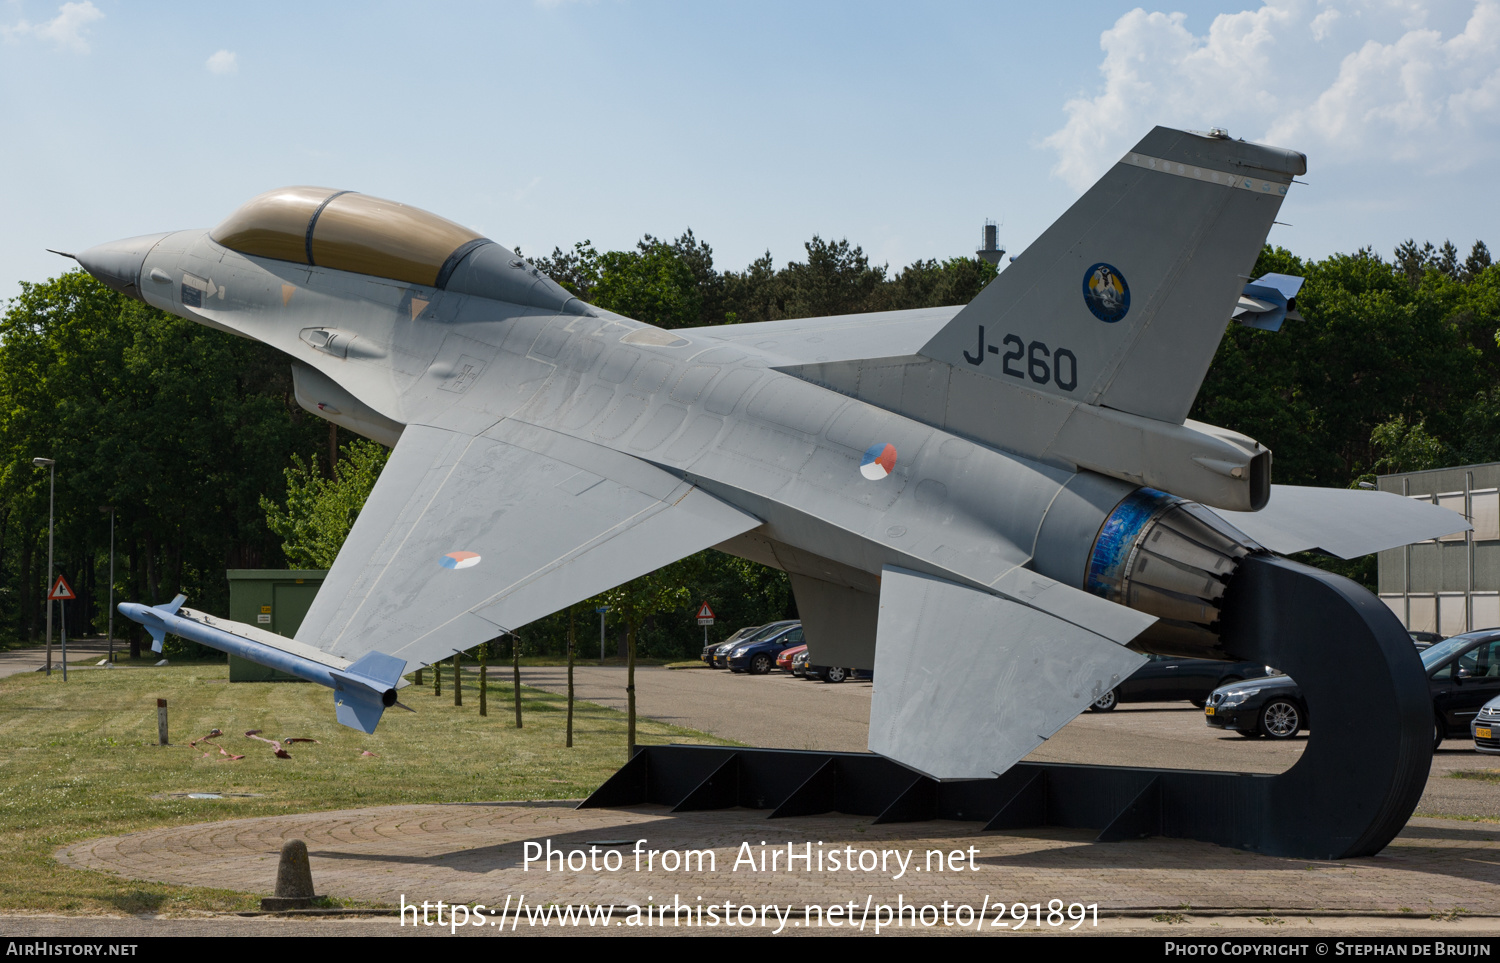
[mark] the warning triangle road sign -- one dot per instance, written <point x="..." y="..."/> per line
<point x="704" y="612"/>
<point x="61" y="591"/>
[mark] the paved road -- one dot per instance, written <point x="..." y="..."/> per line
<point x="476" y="853"/>
<point x="32" y="658"/>
<point x="782" y="712"/>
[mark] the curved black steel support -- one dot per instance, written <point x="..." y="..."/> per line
<point x="1370" y="714"/>
<point x="1354" y="788"/>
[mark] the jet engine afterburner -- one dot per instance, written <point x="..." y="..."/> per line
<point x="1171" y="558"/>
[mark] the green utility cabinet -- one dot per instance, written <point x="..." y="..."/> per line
<point x="273" y="599"/>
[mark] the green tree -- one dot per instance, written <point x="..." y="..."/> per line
<point x="179" y="427"/>
<point x="924" y="284"/>
<point x="652" y="284"/>
<point x="320" y="510"/>
<point x="1373" y="347"/>
<point x="1405" y="447"/>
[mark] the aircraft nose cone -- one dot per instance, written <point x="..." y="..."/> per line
<point x="117" y="264"/>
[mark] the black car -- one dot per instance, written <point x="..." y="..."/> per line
<point x="1463" y="673"/>
<point x="1165" y="678"/>
<point x="1423" y="639"/>
<point x="1272" y="707"/>
<point x="708" y="650"/>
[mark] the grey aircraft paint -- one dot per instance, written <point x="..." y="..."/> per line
<point x="957" y="494"/>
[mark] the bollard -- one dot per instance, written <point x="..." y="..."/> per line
<point x="294" y="885"/>
<point x="161" y="722"/>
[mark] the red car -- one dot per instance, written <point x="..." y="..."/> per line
<point x="784" y="660"/>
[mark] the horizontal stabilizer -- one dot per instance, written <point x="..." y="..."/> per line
<point x="1346" y="522"/>
<point x="970" y="683"/>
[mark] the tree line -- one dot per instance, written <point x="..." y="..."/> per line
<point x="194" y="437"/>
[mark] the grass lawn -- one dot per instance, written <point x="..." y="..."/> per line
<point x="81" y="760"/>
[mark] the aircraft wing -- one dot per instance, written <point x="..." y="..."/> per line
<point x="465" y="536"/>
<point x="1345" y="522"/>
<point x="844" y="337"/>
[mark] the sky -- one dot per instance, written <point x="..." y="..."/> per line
<point x="898" y="126"/>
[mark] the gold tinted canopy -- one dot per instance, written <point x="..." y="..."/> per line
<point x="346" y="231"/>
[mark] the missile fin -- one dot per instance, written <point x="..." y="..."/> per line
<point x="362" y="692"/>
<point x="357" y="708"/>
<point x="379" y="670"/>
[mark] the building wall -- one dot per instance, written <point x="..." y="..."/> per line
<point x="1452" y="584"/>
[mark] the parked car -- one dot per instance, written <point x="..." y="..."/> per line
<point x="835" y="673"/>
<point x="758" y="653"/>
<point x="799" y="664"/>
<point x="1463" y="675"/>
<point x="1486" y="727"/>
<point x="1273" y="707"/>
<point x="1165" y="678"/>
<point x="740" y="635"/>
<point x="1423" y="639"/>
<point x="784" y="660"/>
<point x="719" y="654"/>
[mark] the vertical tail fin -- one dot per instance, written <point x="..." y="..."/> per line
<point x="1122" y="302"/>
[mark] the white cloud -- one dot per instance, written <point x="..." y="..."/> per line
<point x="1419" y="98"/>
<point x="1399" y="89"/>
<point x="1323" y="23"/>
<point x="64" y="30"/>
<point x="224" y="62"/>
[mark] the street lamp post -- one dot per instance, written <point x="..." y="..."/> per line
<point x="601" y="610"/>
<point x="111" y="510"/>
<point x="51" y="466"/>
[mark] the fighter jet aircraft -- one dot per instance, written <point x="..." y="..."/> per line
<point x="998" y="507"/>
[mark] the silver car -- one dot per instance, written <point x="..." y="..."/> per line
<point x="1486" y="727"/>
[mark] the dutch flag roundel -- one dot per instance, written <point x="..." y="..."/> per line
<point x="879" y="461"/>
<point x="459" y="560"/>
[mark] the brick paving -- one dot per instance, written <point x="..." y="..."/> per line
<point x="474" y="853"/>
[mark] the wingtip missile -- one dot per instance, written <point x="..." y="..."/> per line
<point x="363" y="690"/>
<point x="1267" y="301"/>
